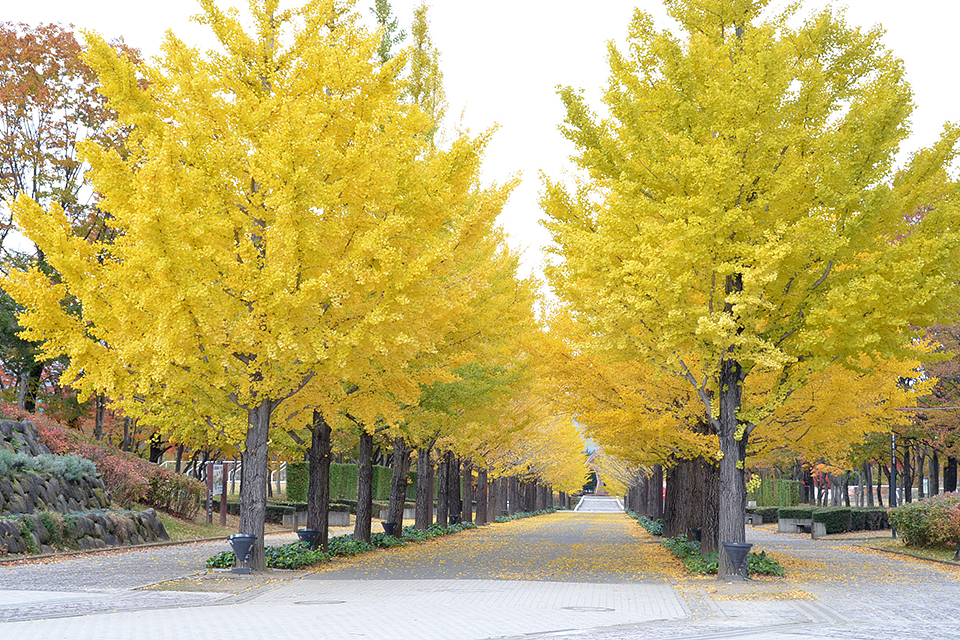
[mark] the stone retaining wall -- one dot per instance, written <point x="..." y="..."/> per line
<point x="47" y="532"/>
<point x="30" y="492"/>
<point x="21" y="437"/>
<point x="34" y="491"/>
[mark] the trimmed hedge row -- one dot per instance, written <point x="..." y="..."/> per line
<point x="774" y="492"/>
<point x="836" y="519"/>
<point x="344" y="481"/>
<point x="768" y="514"/>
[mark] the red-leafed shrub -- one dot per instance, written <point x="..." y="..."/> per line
<point x="933" y="522"/>
<point x="128" y="478"/>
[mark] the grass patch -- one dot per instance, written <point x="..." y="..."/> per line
<point x="897" y="546"/>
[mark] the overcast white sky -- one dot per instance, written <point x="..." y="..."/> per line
<point x="502" y="60"/>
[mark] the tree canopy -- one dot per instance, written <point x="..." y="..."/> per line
<point x="739" y="215"/>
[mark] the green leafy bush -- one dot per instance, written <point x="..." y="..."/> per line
<point x="928" y="522"/>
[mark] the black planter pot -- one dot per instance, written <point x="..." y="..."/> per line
<point x="737" y="554"/>
<point x="242" y="543"/>
<point x="390" y="528"/>
<point x="310" y="536"/>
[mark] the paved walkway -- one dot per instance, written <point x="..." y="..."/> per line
<point x="588" y="574"/>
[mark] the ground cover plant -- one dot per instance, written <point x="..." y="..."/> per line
<point x="299" y="555"/>
<point x="706" y="564"/>
<point x="519" y="515"/>
<point x="69" y="467"/>
<point x="653" y="527"/>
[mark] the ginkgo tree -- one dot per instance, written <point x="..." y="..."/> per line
<point x="278" y="225"/>
<point x="739" y="207"/>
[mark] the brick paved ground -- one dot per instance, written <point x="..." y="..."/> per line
<point x="585" y="575"/>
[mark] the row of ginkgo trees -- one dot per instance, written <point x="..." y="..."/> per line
<point x="292" y="250"/>
<point x="739" y="236"/>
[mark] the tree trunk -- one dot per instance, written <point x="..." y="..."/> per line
<point x="868" y="483"/>
<point x="430" y="493"/>
<point x="398" y="484"/>
<point x="453" y="487"/>
<point x="879" y="483"/>
<point x="950" y="475"/>
<point x="658" y="492"/>
<point x="513" y="494"/>
<point x="643" y="497"/>
<point x="907" y="474"/>
<point x="482" y="497"/>
<point x="733" y="446"/>
<point x="934" y="473"/>
<point x="318" y="488"/>
<point x="361" y="529"/>
<point x="654" y="491"/>
<point x="493" y="499"/>
<point x="253" y="490"/>
<point x="100" y="415"/>
<point x="921" y="458"/>
<point x="31" y="387"/>
<point x="807" y="490"/>
<point x="424" y="466"/>
<point x="180" y="459"/>
<point x="845" y="488"/>
<point x="692" y="501"/>
<point x="530" y="497"/>
<point x="466" y="508"/>
<point x="443" y="488"/>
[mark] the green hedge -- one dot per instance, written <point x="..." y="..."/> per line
<point x="835" y="519"/>
<point x="800" y="513"/>
<point x="275" y="512"/>
<point x="769" y="514"/>
<point x="298" y="480"/>
<point x="381" y="483"/>
<point x="870" y="519"/>
<point x="774" y="492"/>
<point x="343" y="481"/>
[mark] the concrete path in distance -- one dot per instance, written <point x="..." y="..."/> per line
<point x="599" y="504"/>
<point x="593" y="574"/>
